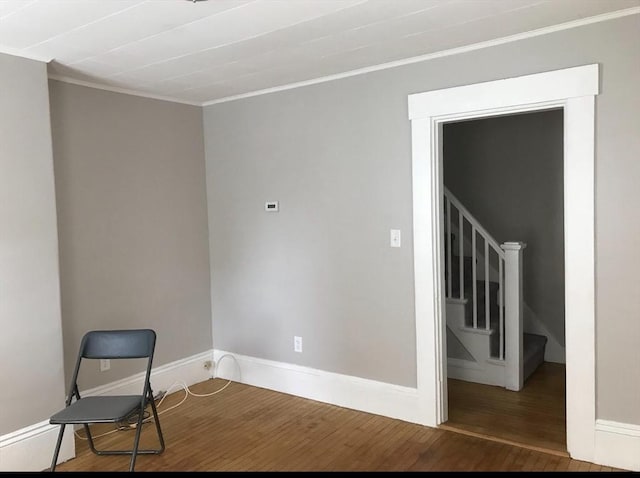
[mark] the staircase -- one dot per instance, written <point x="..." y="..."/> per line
<point x="483" y="287"/>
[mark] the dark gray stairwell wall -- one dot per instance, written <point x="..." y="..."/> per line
<point x="507" y="171"/>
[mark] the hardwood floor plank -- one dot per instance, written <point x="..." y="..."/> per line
<point x="403" y="453"/>
<point x="552" y="463"/>
<point x="497" y="458"/>
<point x="530" y="463"/>
<point x="381" y="452"/>
<point x="511" y="458"/>
<point x="583" y="466"/>
<point x="345" y="439"/>
<point x="574" y="465"/>
<point x="540" y="464"/>
<point x="312" y="446"/>
<point x="535" y="416"/>
<point x="428" y="454"/>
<point x="393" y="448"/>
<point x="245" y="428"/>
<point x="424" y="439"/>
<point x="432" y="459"/>
<point x="521" y="459"/>
<point x="326" y="451"/>
<point x="563" y="464"/>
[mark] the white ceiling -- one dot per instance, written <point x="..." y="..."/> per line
<point x="208" y="50"/>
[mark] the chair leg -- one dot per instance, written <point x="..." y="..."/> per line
<point x="156" y="419"/>
<point x="57" y="450"/>
<point x="87" y="432"/>
<point x="136" y="443"/>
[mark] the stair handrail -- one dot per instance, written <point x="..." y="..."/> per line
<point x="473" y="221"/>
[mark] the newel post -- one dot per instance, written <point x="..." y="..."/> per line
<point x="513" y="315"/>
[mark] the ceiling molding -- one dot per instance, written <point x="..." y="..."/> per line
<point x="125" y="91"/>
<point x="347" y="74"/>
<point x="430" y="56"/>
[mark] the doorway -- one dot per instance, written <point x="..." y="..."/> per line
<point x="505" y="173"/>
<point x="573" y="90"/>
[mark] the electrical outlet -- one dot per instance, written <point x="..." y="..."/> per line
<point x="105" y="364"/>
<point x="297" y="344"/>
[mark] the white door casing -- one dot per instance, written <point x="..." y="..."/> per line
<point x="574" y="90"/>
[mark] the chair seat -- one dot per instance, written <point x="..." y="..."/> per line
<point x="106" y="409"/>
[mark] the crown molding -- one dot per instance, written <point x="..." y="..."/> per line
<point x="125" y="91"/>
<point x="439" y="54"/>
<point x="360" y="71"/>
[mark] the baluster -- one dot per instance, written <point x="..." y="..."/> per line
<point x="501" y="298"/>
<point x="461" y="251"/>
<point x="487" y="305"/>
<point x="473" y="277"/>
<point x="449" y="270"/>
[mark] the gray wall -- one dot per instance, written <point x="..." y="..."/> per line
<point x="337" y="156"/>
<point x="507" y="171"/>
<point x="31" y="369"/>
<point x="321" y="268"/>
<point x="132" y="217"/>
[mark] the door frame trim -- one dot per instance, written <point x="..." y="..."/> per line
<point x="574" y="90"/>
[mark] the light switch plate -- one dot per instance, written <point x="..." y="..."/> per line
<point x="395" y="238"/>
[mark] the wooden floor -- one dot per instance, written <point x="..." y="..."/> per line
<point x="533" y="417"/>
<point x="252" y="429"/>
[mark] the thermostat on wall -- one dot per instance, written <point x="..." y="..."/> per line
<point x="271" y="206"/>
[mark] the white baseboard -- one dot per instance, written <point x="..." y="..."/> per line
<point x="189" y="370"/>
<point x="31" y="448"/>
<point x="617" y="445"/>
<point x="366" y="395"/>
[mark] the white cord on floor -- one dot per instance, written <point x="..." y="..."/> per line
<point x="184" y="387"/>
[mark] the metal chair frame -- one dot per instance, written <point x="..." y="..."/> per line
<point x="112" y="344"/>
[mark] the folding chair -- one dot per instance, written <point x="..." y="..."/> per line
<point x="113" y="345"/>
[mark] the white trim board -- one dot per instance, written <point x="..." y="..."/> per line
<point x="346" y="391"/>
<point x="572" y="89"/>
<point x="618" y="444"/>
<point x="31" y="448"/>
